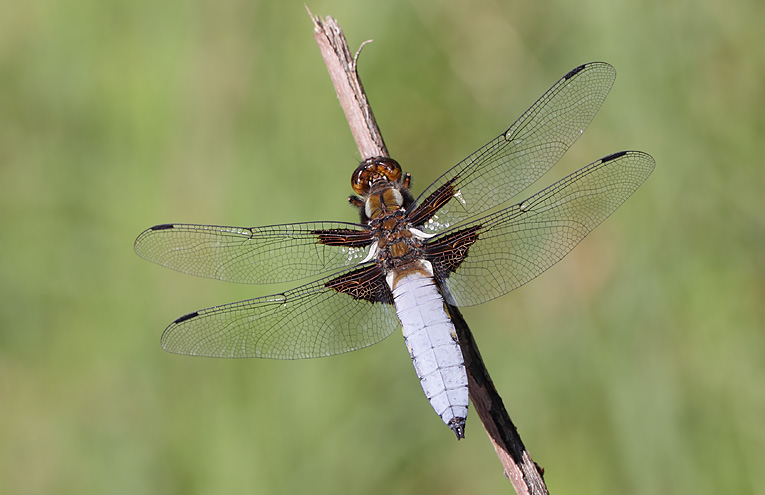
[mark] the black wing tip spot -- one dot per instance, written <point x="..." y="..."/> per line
<point x="163" y="226"/>
<point x="613" y="156"/>
<point x="574" y="71"/>
<point x="577" y="70"/>
<point x="186" y="317"/>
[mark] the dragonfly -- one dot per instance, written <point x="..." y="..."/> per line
<point x="461" y="242"/>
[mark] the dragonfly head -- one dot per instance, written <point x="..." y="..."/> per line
<point x="383" y="170"/>
<point x="382" y="186"/>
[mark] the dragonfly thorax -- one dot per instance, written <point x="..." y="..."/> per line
<point x="379" y="204"/>
<point x="397" y="242"/>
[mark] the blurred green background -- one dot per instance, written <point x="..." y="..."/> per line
<point x="634" y="366"/>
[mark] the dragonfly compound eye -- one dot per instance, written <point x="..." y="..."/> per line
<point x="372" y="170"/>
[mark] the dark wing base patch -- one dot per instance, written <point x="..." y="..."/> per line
<point x="446" y="254"/>
<point x="434" y="202"/>
<point x="344" y="237"/>
<point x="367" y="284"/>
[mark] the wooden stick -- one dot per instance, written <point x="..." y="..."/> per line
<point x="350" y="92"/>
<point x="523" y="473"/>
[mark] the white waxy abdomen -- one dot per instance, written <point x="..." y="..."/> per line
<point x="432" y="343"/>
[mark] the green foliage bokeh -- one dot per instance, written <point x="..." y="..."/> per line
<point x="634" y="366"/>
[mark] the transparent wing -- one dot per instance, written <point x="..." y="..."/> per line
<point x="518" y="243"/>
<point x="309" y="321"/>
<point x="258" y="255"/>
<point x="529" y="148"/>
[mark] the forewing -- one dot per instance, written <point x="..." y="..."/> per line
<point x="529" y="148"/>
<point x="313" y="320"/>
<point x="258" y="255"/>
<point x="508" y="248"/>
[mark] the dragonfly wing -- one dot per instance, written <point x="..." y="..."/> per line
<point x="523" y="153"/>
<point x="258" y="255"/>
<point x="337" y="314"/>
<point x="506" y="249"/>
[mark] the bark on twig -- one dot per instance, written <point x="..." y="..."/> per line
<point x="523" y="473"/>
<point x="342" y="70"/>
